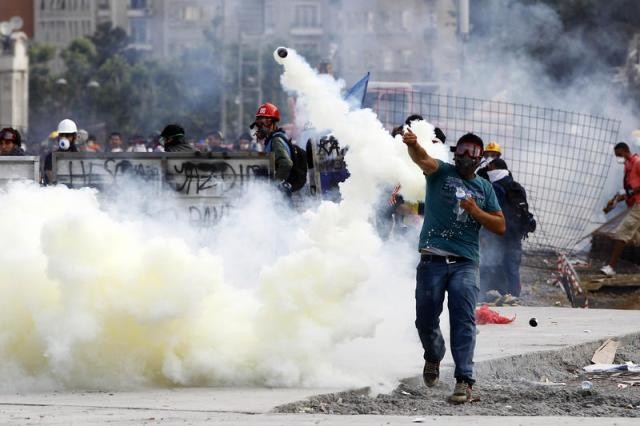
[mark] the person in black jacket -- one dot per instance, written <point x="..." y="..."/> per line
<point x="173" y="139"/>
<point x="500" y="256"/>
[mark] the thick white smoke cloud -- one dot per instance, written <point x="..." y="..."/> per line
<point x="94" y="298"/>
<point x="374" y="158"/>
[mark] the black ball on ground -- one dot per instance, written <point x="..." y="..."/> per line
<point x="533" y="322"/>
<point x="282" y="52"/>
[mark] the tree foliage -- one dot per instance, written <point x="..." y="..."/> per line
<point x="110" y="87"/>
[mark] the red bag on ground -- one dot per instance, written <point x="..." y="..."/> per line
<point x="484" y="315"/>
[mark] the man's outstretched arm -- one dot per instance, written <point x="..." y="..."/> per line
<point x="419" y="156"/>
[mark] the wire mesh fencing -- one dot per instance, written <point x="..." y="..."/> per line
<point x="562" y="158"/>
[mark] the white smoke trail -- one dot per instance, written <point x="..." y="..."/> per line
<point x="90" y="298"/>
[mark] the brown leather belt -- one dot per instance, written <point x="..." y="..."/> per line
<point x="446" y="259"/>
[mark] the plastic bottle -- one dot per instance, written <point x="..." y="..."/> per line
<point x="586" y="386"/>
<point x="461" y="214"/>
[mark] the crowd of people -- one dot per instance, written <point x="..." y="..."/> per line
<point x="474" y="218"/>
<point x="214" y="141"/>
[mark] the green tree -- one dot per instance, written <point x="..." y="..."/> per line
<point x="41" y="89"/>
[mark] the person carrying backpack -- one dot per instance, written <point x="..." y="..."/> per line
<point x="501" y="255"/>
<point x="290" y="159"/>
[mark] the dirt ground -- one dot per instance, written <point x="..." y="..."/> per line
<point x="538" y="274"/>
<point x="541" y="384"/>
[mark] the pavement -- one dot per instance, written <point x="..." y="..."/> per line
<point x="557" y="328"/>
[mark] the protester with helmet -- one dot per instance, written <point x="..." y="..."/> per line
<point x="275" y="140"/>
<point x="67" y="135"/>
<point x="492" y="151"/>
<point x="10" y="142"/>
<point x="457" y="205"/>
<point x="173" y="140"/>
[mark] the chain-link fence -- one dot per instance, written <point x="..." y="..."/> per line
<point x="562" y="158"/>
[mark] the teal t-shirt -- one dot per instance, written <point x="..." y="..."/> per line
<point x="441" y="228"/>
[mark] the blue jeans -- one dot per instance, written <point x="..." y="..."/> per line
<point x="460" y="279"/>
<point x="512" y="259"/>
<point x="500" y="259"/>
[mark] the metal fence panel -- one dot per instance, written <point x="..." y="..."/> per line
<point x="562" y="158"/>
<point x="201" y="187"/>
<point x="15" y="168"/>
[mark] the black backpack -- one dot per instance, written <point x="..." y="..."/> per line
<point x="298" y="174"/>
<point x="519" y="219"/>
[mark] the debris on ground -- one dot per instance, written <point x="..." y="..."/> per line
<point x="608" y="368"/>
<point x="606" y="353"/>
<point x="484" y="315"/>
<point x="542" y="384"/>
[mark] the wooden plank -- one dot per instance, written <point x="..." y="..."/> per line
<point x="606" y="352"/>
<point x="596" y="282"/>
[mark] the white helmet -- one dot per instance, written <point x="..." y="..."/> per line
<point x="67" y="126"/>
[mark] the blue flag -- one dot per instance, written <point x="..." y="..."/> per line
<point x="355" y="96"/>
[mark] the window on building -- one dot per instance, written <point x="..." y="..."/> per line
<point x="370" y="22"/>
<point x="387" y="60"/>
<point x="53" y="4"/>
<point x="306" y="16"/>
<point x="191" y="13"/>
<point x="432" y="21"/>
<point x="406" y="57"/>
<point x="104" y="4"/>
<point x="405" y="18"/>
<point x="138" y="29"/>
<point x="137" y="4"/>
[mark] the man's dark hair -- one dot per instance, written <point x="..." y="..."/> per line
<point x="471" y="137"/>
<point x="499" y="164"/>
<point x="413" y="117"/>
<point x="440" y="134"/>
<point x="245" y="136"/>
<point x="621" y="145"/>
<point x="11" y="134"/>
<point x="173" y="131"/>
<point x="115" y="134"/>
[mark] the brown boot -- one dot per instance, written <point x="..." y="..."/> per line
<point x="431" y="373"/>
<point x="461" y="393"/>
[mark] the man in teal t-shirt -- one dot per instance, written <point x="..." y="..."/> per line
<point x="457" y="204"/>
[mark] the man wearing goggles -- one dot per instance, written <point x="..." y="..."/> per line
<point x="457" y="204"/>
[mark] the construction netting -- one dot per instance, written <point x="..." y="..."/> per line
<point x="562" y="158"/>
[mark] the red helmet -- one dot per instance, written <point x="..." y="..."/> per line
<point x="269" y="111"/>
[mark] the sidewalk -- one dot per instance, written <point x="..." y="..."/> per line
<point x="558" y="328"/>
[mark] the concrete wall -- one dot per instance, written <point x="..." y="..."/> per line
<point x="14" y="84"/>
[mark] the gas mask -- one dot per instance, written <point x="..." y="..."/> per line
<point x="466" y="165"/>
<point x="467" y="157"/>
<point x="259" y="131"/>
<point x="64" y="144"/>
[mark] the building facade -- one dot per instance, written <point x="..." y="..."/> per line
<point x="415" y="41"/>
<point x="418" y="42"/>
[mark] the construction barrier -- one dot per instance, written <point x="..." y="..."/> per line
<point x="19" y="168"/>
<point x="202" y="187"/>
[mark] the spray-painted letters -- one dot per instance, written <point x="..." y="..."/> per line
<point x="203" y="187"/>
